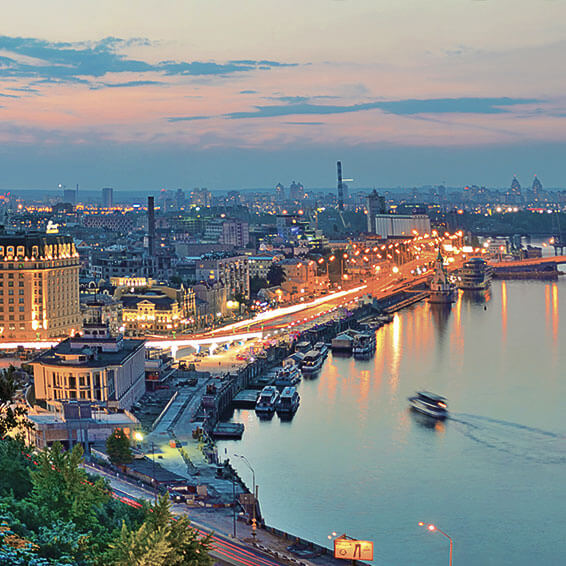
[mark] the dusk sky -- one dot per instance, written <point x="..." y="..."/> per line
<point x="245" y="94"/>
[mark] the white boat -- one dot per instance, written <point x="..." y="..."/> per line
<point x="287" y="376"/>
<point x="442" y="290"/>
<point x="429" y="404"/>
<point x="267" y="400"/>
<point x="289" y="401"/>
<point x="475" y="275"/>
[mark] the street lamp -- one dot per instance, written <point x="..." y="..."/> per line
<point x="254" y="492"/>
<point x="432" y="528"/>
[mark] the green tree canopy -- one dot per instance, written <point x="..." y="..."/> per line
<point x="118" y="448"/>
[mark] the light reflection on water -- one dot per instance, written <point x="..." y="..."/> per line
<point x="356" y="460"/>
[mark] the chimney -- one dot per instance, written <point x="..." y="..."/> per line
<point x="151" y="226"/>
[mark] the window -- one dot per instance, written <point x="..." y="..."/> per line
<point x="21" y="309"/>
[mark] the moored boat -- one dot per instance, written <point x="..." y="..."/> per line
<point x="267" y="400"/>
<point x="429" y="404"/>
<point x="475" y="275"/>
<point x="287" y="376"/>
<point x="288" y="401"/>
<point x="312" y="362"/>
<point x="364" y="344"/>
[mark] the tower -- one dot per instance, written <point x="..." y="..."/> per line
<point x="151" y="226"/>
<point x="340" y="186"/>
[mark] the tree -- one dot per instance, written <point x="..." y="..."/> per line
<point x="257" y="283"/>
<point x="11" y="418"/>
<point x="118" y="448"/>
<point x="63" y="490"/>
<point x="162" y="540"/>
<point x="14" y="468"/>
<point x="275" y="275"/>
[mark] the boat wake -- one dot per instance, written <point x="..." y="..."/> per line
<point x="518" y="440"/>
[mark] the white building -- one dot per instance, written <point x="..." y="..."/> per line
<point x="387" y="225"/>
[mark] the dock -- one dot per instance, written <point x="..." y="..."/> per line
<point x="245" y="399"/>
<point x="228" y="430"/>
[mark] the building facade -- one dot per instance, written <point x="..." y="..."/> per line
<point x="95" y="367"/>
<point x="39" y="286"/>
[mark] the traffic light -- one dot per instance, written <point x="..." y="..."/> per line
<point x="254" y="524"/>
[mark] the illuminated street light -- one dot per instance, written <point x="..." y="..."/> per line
<point x="432" y="528"/>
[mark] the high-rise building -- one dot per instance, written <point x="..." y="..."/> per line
<point x="280" y="192"/>
<point x="375" y="205"/>
<point x="70" y="196"/>
<point x="107" y="197"/>
<point x="296" y="191"/>
<point x="536" y="189"/>
<point x="39" y="286"/>
<point x="514" y="195"/>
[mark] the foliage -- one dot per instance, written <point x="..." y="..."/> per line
<point x="275" y="275"/>
<point x="11" y="418"/>
<point x="160" y="541"/>
<point x="14" y="468"/>
<point x="58" y="515"/>
<point x="118" y="448"/>
<point x="257" y="283"/>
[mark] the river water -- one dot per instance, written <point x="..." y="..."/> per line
<point x="355" y="460"/>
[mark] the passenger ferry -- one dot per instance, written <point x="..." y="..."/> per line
<point x="475" y="275"/>
<point x="312" y="362"/>
<point x="429" y="404"/>
<point x="364" y="344"/>
<point x="267" y="400"/>
<point x="287" y="376"/>
<point x="442" y="290"/>
<point x="289" y="401"/>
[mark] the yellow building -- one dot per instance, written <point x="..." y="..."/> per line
<point x="39" y="287"/>
<point x="151" y="313"/>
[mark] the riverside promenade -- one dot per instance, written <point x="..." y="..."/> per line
<point x="269" y="548"/>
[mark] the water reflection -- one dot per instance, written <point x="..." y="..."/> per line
<point x="427" y="422"/>
<point x="504" y="311"/>
<point x="440" y="316"/>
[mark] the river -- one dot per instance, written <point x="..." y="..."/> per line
<point x="355" y="460"/>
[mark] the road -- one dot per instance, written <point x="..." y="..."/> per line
<point x="225" y="548"/>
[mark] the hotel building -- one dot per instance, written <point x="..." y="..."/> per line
<point x="39" y="287"/>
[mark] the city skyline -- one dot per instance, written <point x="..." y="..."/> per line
<point x="402" y="94"/>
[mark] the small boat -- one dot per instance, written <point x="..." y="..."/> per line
<point x="289" y="401"/>
<point x="287" y="376"/>
<point x="364" y="344"/>
<point x="429" y="404"/>
<point x="312" y="362"/>
<point x="322" y="348"/>
<point x="267" y="400"/>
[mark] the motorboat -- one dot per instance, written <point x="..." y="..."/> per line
<point x="287" y="376"/>
<point x="312" y="362"/>
<point x="475" y="275"/>
<point x="322" y="348"/>
<point x="364" y="344"/>
<point x="288" y="401"/>
<point x="267" y="400"/>
<point x="429" y="404"/>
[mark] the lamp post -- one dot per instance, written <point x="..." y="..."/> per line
<point x="432" y="528"/>
<point x="254" y="522"/>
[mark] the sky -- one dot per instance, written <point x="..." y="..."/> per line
<point x="225" y="94"/>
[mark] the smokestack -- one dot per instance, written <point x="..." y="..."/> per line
<point x="151" y="226"/>
<point x="340" y="186"/>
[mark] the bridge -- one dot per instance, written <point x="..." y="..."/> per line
<point x="531" y="262"/>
